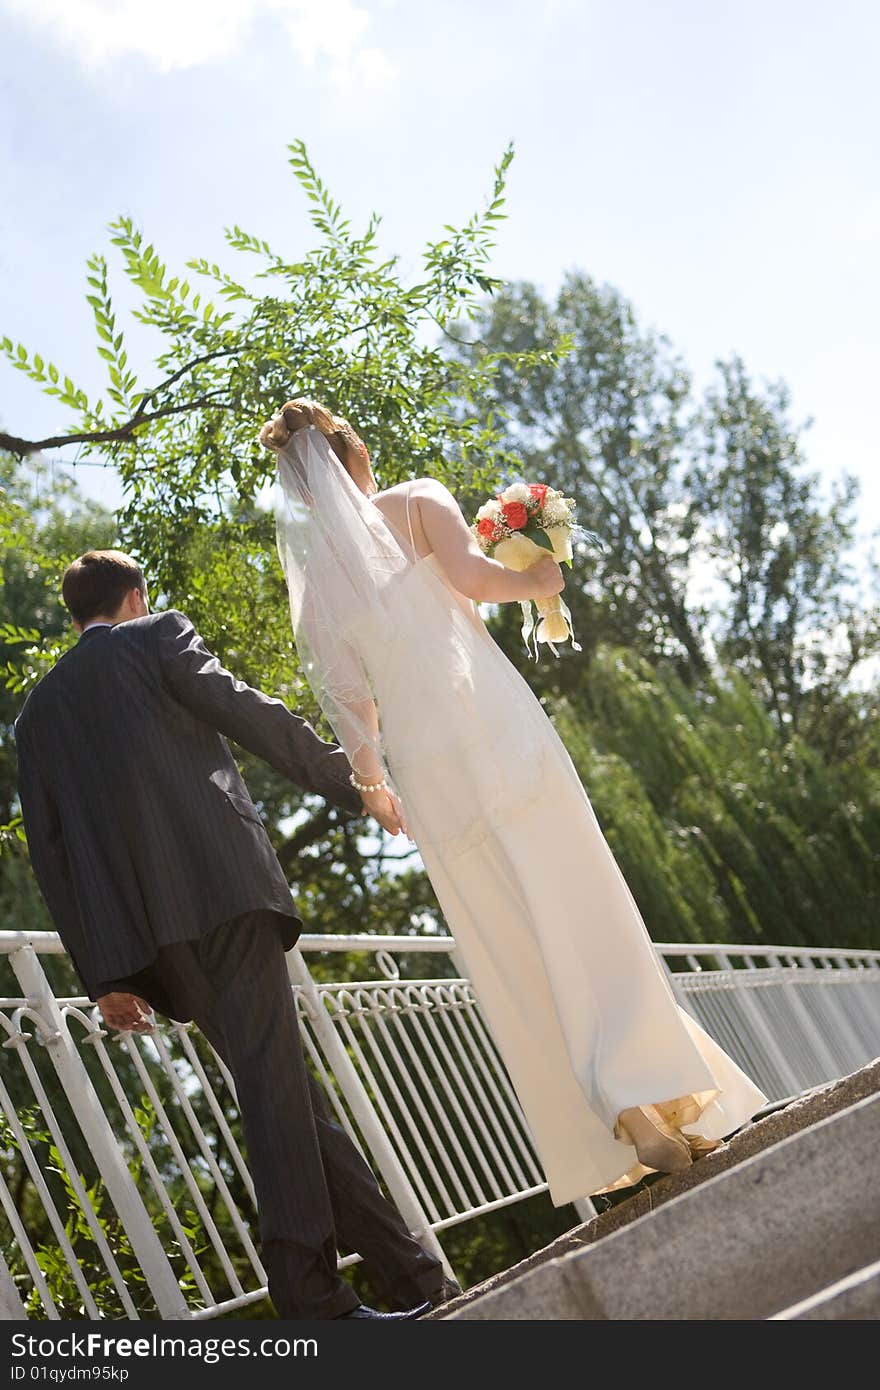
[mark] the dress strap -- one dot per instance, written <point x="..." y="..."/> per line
<point x="415" y="553"/>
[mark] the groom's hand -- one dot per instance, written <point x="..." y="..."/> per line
<point x="126" y="1012"/>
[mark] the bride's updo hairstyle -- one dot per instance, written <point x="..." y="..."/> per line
<point x="296" y="414"/>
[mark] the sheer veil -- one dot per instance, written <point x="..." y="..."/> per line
<point x="380" y="634"/>
<point x="342" y="563"/>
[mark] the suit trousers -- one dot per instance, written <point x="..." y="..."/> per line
<point x="312" y="1184"/>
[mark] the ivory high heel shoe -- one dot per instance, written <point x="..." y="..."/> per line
<point x="656" y="1148"/>
<point x="700" y="1147"/>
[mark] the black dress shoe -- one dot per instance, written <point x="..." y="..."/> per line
<point x="449" y="1289"/>
<point x="362" y="1311"/>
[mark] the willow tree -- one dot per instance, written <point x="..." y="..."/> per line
<point x="725" y="830"/>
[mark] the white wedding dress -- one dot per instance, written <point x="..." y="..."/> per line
<point x="577" y="998"/>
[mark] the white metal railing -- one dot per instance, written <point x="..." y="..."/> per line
<point x="134" y="1199"/>
<point x="791" y="1018"/>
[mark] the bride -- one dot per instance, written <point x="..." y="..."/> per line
<point x="448" y="744"/>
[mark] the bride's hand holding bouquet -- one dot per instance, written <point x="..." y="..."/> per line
<point x="529" y="527"/>
<point x="544" y="579"/>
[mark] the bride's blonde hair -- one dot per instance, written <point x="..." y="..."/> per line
<point x="296" y="414"/>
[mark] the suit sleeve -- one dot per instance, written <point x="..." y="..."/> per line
<point x="257" y="722"/>
<point x="48" y="853"/>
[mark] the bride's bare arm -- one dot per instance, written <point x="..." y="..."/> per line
<point x="469" y="570"/>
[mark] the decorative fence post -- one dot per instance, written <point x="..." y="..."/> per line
<point x="104" y="1145"/>
<point x="362" y="1108"/>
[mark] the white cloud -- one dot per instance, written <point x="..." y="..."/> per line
<point x="173" y="34"/>
<point x="374" y="69"/>
<point x="319" y="27"/>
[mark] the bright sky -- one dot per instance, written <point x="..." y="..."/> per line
<point x="718" y="164"/>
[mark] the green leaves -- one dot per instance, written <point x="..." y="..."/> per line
<point x="243" y="241"/>
<point x="12" y="835"/>
<point x="537" y="534"/>
<point x="334" y="318"/>
<point x="143" y="265"/>
<point x="12" y="635"/>
<point x="110" y="347"/>
<point x="45" y="374"/>
<point x="229" y="288"/>
<point x="326" y="215"/>
<point x="453" y="263"/>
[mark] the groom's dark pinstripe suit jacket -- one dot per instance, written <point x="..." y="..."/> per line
<point x="140" y="829"/>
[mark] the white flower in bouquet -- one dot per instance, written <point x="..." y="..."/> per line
<point x="557" y="512"/>
<point x="490" y="510"/>
<point x="517" y="492"/>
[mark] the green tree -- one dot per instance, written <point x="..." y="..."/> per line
<point x="790" y="616"/>
<point x="725" y="828"/>
<point x="605" y="421"/>
<point x="731" y="757"/>
<point x="722" y="550"/>
<point x="338" y="324"/>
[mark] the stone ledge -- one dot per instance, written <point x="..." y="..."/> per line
<point x="761" y="1237"/>
<point x="855" y="1298"/>
<point x="808" y="1109"/>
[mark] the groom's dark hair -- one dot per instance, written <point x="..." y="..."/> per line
<point x="95" y="585"/>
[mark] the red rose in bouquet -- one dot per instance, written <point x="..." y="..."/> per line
<point x="515" y="515"/>
<point x="486" y="527"/>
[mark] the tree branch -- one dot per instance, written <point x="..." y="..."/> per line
<point x="181" y="371"/>
<point x="315" y="829"/>
<point x="382" y="856"/>
<point x="23" y="447"/>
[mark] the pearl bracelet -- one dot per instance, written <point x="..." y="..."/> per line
<point x="367" y="786"/>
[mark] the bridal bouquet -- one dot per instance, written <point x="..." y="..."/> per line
<point x="514" y="528"/>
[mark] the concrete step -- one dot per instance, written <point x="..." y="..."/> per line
<point x="800" y="1113"/>
<point x="857" y="1297"/>
<point x="753" y="1240"/>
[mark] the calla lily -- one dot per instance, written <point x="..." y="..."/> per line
<point x="517" y="552"/>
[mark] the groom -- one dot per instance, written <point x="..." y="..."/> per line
<point x="166" y="892"/>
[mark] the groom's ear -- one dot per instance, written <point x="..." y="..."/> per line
<point x="135" y="603"/>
